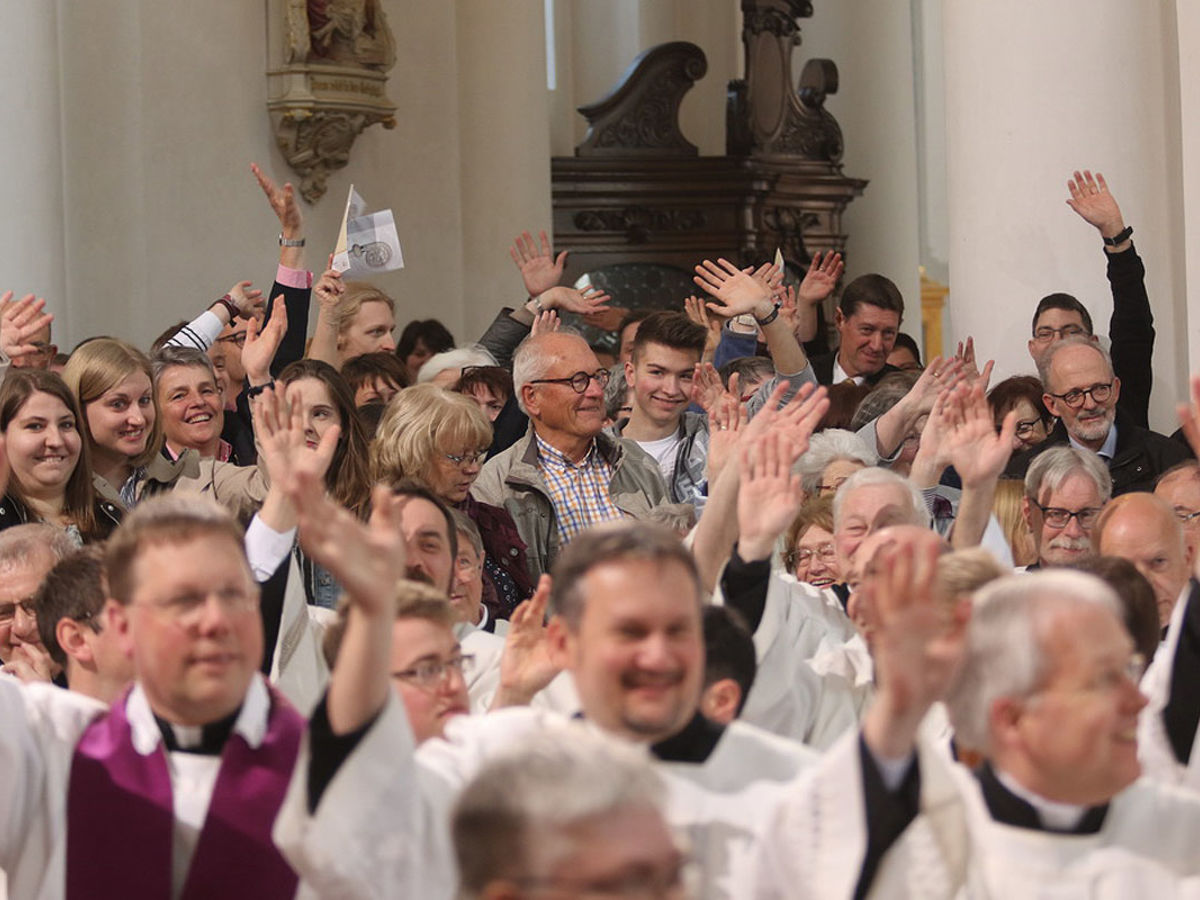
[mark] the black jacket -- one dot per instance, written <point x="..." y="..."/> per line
<point x="108" y="516"/>
<point x="1142" y="455"/>
<point x="823" y="369"/>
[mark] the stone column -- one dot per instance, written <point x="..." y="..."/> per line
<point x="32" y="251"/>
<point x="1034" y="92"/>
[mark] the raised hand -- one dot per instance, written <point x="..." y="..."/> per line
<point x="727" y="419"/>
<point x="545" y="322"/>
<point x="526" y="665"/>
<point x="933" y="454"/>
<point x="248" y="300"/>
<point x="283" y="442"/>
<point x="965" y="354"/>
<point x="20" y="320"/>
<point x="707" y="387"/>
<point x="917" y="647"/>
<point x="329" y="289"/>
<point x="1091" y="199"/>
<point x="736" y="292"/>
<point x="283" y="204"/>
<point x="586" y="302"/>
<point x="539" y="268"/>
<point x="712" y="323"/>
<point x="770" y="494"/>
<point x="29" y="663"/>
<point x="366" y="558"/>
<point x="261" y="346"/>
<point x="821" y="278"/>
<point x="972" y="445"/>
<point x="797" y="419"/>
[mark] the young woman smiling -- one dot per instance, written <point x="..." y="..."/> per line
<point x="51" y="479"/>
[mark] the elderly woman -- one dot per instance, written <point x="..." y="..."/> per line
<point x="441" y="438"/>
<point x="833" y="456"/>
<point x="1024" y="394"/>
<point x="809" y="551"/>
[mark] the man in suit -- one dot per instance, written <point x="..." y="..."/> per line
<point x="867" y="320"/>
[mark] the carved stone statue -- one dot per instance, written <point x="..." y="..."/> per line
<point x="328" y="83"/>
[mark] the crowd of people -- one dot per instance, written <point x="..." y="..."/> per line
<point x="356" y="616"/>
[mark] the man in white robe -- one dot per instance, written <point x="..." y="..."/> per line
<point x="368" y="815"/>
<point x="1043" y="682"/>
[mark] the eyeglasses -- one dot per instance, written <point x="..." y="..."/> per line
<point x="467" y="459"/>
<point x="676" y="880"/>
<point x="826" y="489"/>
<point x="579" y="381"/>
<point x="1187" y="518"/>
<point x="1057" y="517"/>
<point x="1046" y="334"/>
<point x="1074" y="398"/>
<point x="1111" y="678"/>
<point x="188" y="609"/>
<point x="826" y="553"/>
<point x="238" y="338"/>
<point x="1025" y="428"/>
<point x="429" y="674"/>
<point x="8" y="611"/>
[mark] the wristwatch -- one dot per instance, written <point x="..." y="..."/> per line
<point x="288" y="242"/>
<point x="1120" y="237"/>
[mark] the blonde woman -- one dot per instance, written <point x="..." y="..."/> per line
<point x="442" y="438"/>
<point x="355" y="318"/>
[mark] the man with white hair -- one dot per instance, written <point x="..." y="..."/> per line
<point x="1039" y="674"/>
<point x="1082" y="391"/>
<point x="27" y="554"/>
<point x="571" y="814"/>
<point x="566" y="474"/>
<point x="1066" y="488"/>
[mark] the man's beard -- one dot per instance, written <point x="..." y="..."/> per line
<point x="1094" y="428"/>
<point x="419" y="575"/>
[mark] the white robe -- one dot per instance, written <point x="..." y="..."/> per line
<point x="954" y="849"/>
<point x="382" y="827"/>
<point x="788" y="697"/>
<point x="41" y="726"/>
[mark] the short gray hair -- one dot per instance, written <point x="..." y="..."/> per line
<point x="1057" y="347"/>
<point x="890" y="391"/>
<point x="1052" y="467"/>
<point x="171" y="356"/>
<point x="531" y="361"/>
<point x="829" y="446"/>
<point x="458" y="358"/>
<point x="466" y="526"/>
<point x="19" y="543"/>
<point x="512" y="820"/>
<point x="1005" y="652"/>
<point x="875" y="475"/>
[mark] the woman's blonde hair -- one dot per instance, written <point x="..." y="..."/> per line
<point x="420" y="422"/>
<point x="100" y="365"/>
<point x="1007" y="506"/>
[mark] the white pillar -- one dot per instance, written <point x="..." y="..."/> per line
<point x="31" y="230"/>
<point x="1034" y="91"/>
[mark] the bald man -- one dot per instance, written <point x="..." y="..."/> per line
<point x="1180" y="488"/>
<point x="1143" y="529"/>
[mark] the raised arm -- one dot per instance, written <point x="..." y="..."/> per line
<point x="819" y="281"/>
<point x="20" y="320"/>
<point x="979" y="455"/>
<point x="241" y="302"/>
<point x="328" y="291"/>
<point x="292" y="278"/>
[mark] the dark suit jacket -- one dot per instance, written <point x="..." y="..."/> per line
<point x="1142" y="455"/>
<point x="823" y="369"/>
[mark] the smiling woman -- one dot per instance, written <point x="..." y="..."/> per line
<point x="51" y="473"/>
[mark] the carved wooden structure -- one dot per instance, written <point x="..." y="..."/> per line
<point x="637" y="192"/>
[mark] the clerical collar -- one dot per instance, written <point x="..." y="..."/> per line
<point x="204" y="740"/>
<point x="1013" y="804"/>
<point x="694" y="744"/>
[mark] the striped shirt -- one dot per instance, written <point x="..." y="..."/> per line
<point x="578" y="491"/>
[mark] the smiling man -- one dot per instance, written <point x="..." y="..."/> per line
<point x="565" y="475"/>
<point x="1065" y="491"/>
<point x="665" y="353"/>
<point x="1083" y="392"/>
<point x="867" y="320"/>
<point x="196" y="756"/>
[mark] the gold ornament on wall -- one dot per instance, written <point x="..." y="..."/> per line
<point x="326" y="82"/>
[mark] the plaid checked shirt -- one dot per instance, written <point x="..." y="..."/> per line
<point x="579" y="492"/>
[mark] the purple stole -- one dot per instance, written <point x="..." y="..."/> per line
<point x="120" y="816"/>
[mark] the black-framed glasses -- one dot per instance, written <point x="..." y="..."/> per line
<point x="1057" y="517"/>
<point x="1186" y="517"/>
<point x="1046" y="334"/>
<point x="238" y="338"/>
<point x="1025" y="428"/>
<point x="430" y="673"/>
<point x="579" y="381"/>
<point x="8" y="611"/>
<point x="1074" y="398"/>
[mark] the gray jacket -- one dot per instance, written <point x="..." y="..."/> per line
<point x="512" y="480"/>
<point x="689" y="481"/>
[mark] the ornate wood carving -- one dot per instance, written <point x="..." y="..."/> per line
<point x="640" y="117"/>
<point x="327" y="82"/>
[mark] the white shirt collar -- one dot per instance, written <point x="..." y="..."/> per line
<point x="251" y="722"/>
<point x="839" y="374"/>
<point x="1054" y="815"/>
<point x="1108" y="451"/>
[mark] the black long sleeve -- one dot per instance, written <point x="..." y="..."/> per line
<point x="1181" y="716"/>
<point x="1131" y="333"/>
<point x="888" y="813"/>
<point x="328" y="751"/>
<point x="744" y="585"/>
